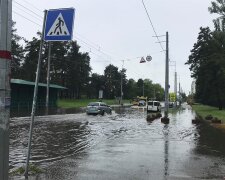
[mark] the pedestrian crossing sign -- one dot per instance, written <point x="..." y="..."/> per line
<point x="59" y="24"/>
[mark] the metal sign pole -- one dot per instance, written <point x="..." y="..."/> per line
<point x="121" y="85"/>
<point x="35" y="96"/>
<point x="48" y="77"/>
<point x="5" y="57"/>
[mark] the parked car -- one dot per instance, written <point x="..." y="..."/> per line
<point x="153" y="106"/>
<point x="98" y="108"/>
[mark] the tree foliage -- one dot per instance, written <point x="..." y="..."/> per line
<point x="71" y="68"/>
<point x="207" y="64"/>
<point x="17" y="53"/>
<point x="207" y="60"/>
<point x="218" y="7"/>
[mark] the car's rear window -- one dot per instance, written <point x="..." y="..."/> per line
<point x="93" y="104"/>
<point x="156" y="104"/>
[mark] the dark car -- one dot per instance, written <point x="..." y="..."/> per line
<point x="98" y="108"/>
<point x="170" y="104"/>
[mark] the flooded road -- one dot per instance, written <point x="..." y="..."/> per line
<point x="120" y="146"/>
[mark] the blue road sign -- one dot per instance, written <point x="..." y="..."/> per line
<point x="59" y="24"/>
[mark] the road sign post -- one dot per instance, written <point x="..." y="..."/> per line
<point x="35" y="98"/>
<point x="48" y="78"/>
<point x="57" y="26"/>
<point x="5" y="57"/>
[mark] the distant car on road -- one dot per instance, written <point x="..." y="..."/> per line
<point x="98" y="108"/>
<point x="153" y="106"/>
<point x="141" y="103"/>
<point x="170" y="104"/>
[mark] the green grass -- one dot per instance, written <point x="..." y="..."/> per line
<point x="76" y="103"/>
<point x="204" y="110"/>
<point x="32" y="170"/>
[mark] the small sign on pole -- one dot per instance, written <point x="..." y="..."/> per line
<point x="142" y="60"/>
<point x="100" y="94"/>
<point x="149" y="58"/>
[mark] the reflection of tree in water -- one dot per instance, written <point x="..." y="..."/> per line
<point x="210" y="140"/>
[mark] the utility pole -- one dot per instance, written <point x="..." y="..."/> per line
<point x="48" y="77"/>
<point x="5" y="98"/>
<point x="121" y="85"/>
<point x="175" y="88"/>
<point x="179" y="95"/>
<point x="167" y="77"/>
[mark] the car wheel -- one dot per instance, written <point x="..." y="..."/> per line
<point x="102" y="113"/>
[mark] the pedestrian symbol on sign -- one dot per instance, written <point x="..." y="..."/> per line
<point x="59" y="27"/>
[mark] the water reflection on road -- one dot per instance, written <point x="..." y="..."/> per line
<point x="120" y="146"/>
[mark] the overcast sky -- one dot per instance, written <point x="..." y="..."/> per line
<point x="116" y="30"/>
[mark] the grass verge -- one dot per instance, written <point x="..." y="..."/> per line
<point x="204" y="111"/>
<point x="33" y="170"/>
<point x="77" y="103"/>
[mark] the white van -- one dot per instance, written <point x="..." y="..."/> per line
<point x="153" y="106"/>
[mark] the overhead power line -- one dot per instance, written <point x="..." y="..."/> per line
<point x="28" y="9"/>
<point x="28" y="13"/>
<point x="26" y="18"/>
<point x="33" y="6"/>
<point x="152" y="25"/>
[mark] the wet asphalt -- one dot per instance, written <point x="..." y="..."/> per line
<point x="119" y="146"/>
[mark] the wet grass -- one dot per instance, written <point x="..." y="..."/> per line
<point x="21" y="170"/>
<point x="204" y="111"/>
<point x="77" y="103"/>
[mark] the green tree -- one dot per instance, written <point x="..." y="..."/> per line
<point x="112" y="81"/>
<point x="29" y="66"/>
<point x="131" y="89"/>
<point x="97" y="83"/>
<point x="17" y="53"/>
<point x="59" y="63"/>
<point x="159" y="92"/>
<point x="71" y="68"/>
<point x="218" y="7"/>
<point x="207" y="65"/>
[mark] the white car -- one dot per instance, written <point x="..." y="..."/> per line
<point x="153" y="106"/>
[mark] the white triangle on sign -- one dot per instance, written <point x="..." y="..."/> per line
<point x="59" y="27"/>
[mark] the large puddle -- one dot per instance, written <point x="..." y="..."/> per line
<point x="120" y="146"/>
